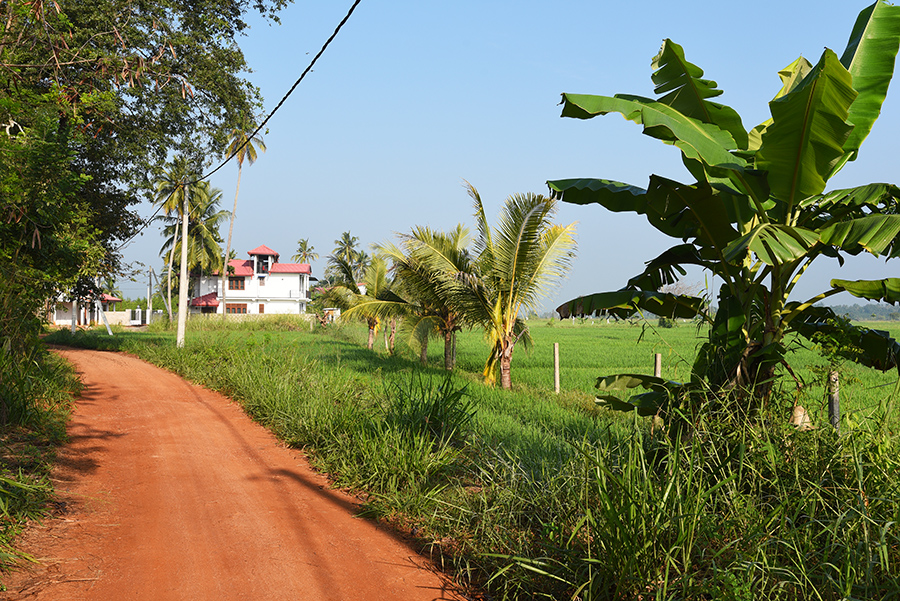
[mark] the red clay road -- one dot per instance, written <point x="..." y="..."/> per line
<point x="169" y="491"/>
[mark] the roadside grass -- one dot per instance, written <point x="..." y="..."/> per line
<point x="526" y="494"/>
<point x="28" y="441"/>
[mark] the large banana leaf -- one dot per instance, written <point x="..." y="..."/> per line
<point x="869" y="57"/>
<point x="685" y="91"/>
<point x="887" y="290"/>
<point x="791" y="76"/>
<point x="697" y="140"/>
<point x="624" y="303"/>
<point x="675" y="209"/>
<point x="872" y="348"/>
<point x="805" y="140"/>
<point x="873" y="233"/>
<point x="690" y="212"/>
<point x="666" y="268"/>
<point x="648" y="403"/>
<point x="615" y="196"/>
<point x="871" y="195"/>
<point x="772" y="243"/>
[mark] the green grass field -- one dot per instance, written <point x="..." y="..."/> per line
<point x="528" y="494"/>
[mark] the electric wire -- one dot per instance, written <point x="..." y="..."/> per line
<point x="248" y="138"/>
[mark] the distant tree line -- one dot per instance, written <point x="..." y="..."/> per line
<point x="868" y="312"/>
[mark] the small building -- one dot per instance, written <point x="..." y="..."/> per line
<point x="61" y="310"/>
<point x="255" y="286"/>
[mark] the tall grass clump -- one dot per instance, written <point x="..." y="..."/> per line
<point x="759" y="512"/>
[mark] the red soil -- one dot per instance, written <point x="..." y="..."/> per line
<point x="168" y="491"/>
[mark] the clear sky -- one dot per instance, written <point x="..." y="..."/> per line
<point x="415" y="96"/>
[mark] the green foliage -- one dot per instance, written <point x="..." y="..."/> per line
<point x="757" y="215"/>
<point x="36" y="397"/>
<point x="666" y="322"/>
<point x="421" y="407"/>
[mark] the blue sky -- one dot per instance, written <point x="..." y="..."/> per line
<point x="413" y="97"/>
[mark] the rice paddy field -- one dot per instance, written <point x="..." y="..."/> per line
<point x="526" y="494"/>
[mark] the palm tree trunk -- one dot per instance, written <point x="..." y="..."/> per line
<point x="506" y="365"/>
<point x="371" y="343"/>
<point x="228" y="244"/>
<point x="423" y="351"/>
<point x="448" y="350"/>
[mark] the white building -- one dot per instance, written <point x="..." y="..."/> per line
<point x="86" y="312"/>
<point x="258" y="285"/>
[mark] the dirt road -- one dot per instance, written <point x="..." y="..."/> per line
<point x="168" y="491"/>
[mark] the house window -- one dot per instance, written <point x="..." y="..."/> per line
<point x="234" y="308"/>
<point x="262" y="281"/>
<point x="262" y="308"/>
<point x="235" y="283"/>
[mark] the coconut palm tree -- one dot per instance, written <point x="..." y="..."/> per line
<point x="345" y="248"/>
<point x="242" y="145"/>
<point x="516" y="264"/>
<point x="346" y="294"/>
<point x="204" y="241"/>
<point x="424" y="259"/>
<point x="305" y="252"/>
<point x="177" y="184"/>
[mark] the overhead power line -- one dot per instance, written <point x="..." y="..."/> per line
<point x="258" y="128"/>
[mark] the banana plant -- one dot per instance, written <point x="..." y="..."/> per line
<point x="758" y="213"/>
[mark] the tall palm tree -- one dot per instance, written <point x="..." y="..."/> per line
<point x="345" y="247"/>
<point x="305" y="252"/>
<point x="177" y="185"/>
<point x="360" y="264"/>
<point x="516" y="264"/>
<point x="204" y="241"/>
<point x="242" y="145"/>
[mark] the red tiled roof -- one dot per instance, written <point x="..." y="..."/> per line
<point x="242" y="267"/>
<point x="262" y="250"/>
<point x="207" y="300"/>
<point x="108" y="298"/>
<point x="290" y="268"/>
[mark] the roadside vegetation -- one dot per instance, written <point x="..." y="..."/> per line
<point x="36" y="398"/>
<point x="526" y="494"/>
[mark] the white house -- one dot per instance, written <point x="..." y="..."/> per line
<point x="61" y="310"/>
<point x="258" y="285"/>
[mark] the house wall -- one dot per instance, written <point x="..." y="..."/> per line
<point x="62" y="315"/>
<point x="282" y="293"/>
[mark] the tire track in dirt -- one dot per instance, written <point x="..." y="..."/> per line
<point x="171" y="492"/>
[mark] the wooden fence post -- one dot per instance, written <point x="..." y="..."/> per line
<point x="657" y="365"/>
<point x="556" y="367"/>
<point x="834" y="401"/>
